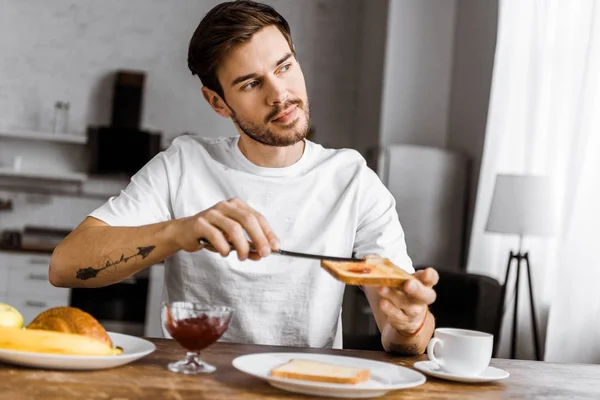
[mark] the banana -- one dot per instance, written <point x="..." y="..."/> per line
<point x="42" y="341"/>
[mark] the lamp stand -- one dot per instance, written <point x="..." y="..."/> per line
<point x="513" y="346"/>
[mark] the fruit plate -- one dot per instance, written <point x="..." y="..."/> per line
<point x="385" y="377"/>
<point x="133" y="347"/>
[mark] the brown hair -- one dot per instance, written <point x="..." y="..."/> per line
<point x="224" y="27"/>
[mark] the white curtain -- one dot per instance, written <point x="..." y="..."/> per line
<point x="544" y="119"/>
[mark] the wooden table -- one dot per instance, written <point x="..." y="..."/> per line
<point x="149" y="379"/>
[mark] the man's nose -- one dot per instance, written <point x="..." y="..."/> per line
<point x="277" y="92"/>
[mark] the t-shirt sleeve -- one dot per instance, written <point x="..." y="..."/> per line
<point x="146" y="199"/>
<point x="379" y="231"/>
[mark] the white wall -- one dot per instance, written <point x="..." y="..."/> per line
<point x="418" y="70"/>
<point x="475" y="44"/>
<point x="370" y="80"/>
<point x="67" y="50"/>
<point x="437" y="74"/>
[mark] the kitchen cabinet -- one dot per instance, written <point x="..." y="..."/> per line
<point x="3" y="280"/>
<point x="24" y="284"/>
<point x="60" y="212"/>
<point x="42" y="156"/>
<point x="156" y="295"/>
<point x="29" y="275"/>
<point x="4" y="257"/>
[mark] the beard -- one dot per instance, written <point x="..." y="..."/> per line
<point x="266" y="136"/>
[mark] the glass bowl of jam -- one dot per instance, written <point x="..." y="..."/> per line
<point x="195" y="327"/>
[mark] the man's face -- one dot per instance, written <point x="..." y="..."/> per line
<point x="265" y="91"/>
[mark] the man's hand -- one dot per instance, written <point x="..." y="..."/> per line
<point x="406" y="306"/>
<point x="228" y="222"/>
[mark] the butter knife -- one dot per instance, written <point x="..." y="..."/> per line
<point x="205" y="244"/>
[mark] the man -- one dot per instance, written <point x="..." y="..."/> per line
<point x="269" y="186"/>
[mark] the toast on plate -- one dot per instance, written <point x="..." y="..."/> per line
<point x="372" y="271"/>
<point x="317" y="371"/>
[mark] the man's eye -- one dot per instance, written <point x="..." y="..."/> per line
<point x="285" y="67"/>
<point x="250" y="85"/>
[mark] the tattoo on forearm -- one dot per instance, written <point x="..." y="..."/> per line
<point x="91" y="272"/>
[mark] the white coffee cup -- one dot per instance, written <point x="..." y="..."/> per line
<point x="460" y="351"/>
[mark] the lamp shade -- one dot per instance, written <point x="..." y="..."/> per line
<point x="521" y="204"/>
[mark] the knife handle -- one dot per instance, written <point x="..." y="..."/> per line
<point x="205" y="244"/>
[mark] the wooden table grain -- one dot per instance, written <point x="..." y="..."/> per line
<point x="148" y="378"/>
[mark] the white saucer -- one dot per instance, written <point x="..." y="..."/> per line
<point x="385" y="377"/>
<point x="490" y="374"/>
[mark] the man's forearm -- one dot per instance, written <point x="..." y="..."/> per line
<point x="394" y="342"/>
<point x="95" y="256"/>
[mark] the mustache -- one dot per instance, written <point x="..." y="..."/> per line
<point x="287" y="104"/>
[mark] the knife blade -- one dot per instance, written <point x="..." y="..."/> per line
<point x="205" y="244"/>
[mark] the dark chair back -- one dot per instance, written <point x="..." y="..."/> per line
<point x="464" y="300"/>
<point x="467" y="301"/>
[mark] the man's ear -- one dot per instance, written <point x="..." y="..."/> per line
<point x="216" y="102"/>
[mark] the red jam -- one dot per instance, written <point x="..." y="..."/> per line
<point x="195" y="334"/>
<point x="360" y="270"/>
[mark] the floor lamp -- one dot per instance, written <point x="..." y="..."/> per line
<point x="521" y="206"/>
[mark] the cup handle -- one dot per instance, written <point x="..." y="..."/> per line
<point x="430" y="351"/>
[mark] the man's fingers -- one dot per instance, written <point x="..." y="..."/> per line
<point x="402" y="301"/>
<point x="398" y="319"/>
<point x="418" y="292"/>
<point x="254" y="256"/>
<point x="414" y="310"/>
<point x="392" y="311"/>
<point x="232" y="229"/>
<point x="266" y="228"/>
<point x="397" y="298"/>
<point x="405" y="305"/>
<point x="251" y="224"/>
<point x="272" y="239"/>
<point x="429" y="276"/>
<point x="215" y="237"/>
<point x="238" y="225"/>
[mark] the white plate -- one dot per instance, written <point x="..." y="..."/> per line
<point x="384" y="376"/>
<point x="133" y="349"/>
<point x="490" y="374"/>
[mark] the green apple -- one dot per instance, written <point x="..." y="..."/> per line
<point x="10" y="317"/>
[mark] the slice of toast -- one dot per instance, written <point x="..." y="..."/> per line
<point x="373" y="271"/>
<point x="316" y="371"/>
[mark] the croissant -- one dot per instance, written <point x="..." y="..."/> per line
<point x="70" y="320"/>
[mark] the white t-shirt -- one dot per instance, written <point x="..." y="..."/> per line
<point x="329" y="202"/>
